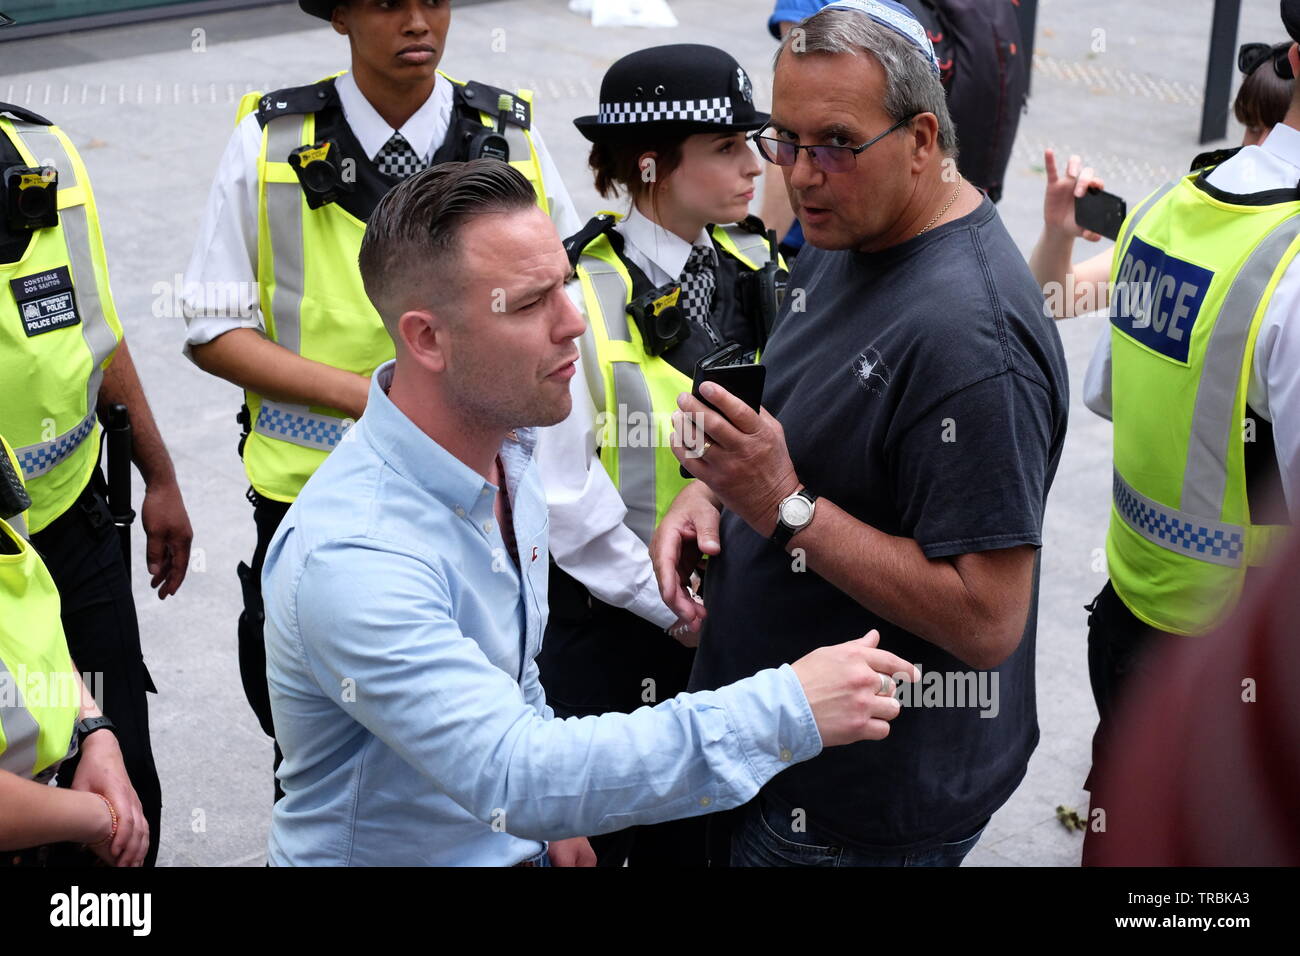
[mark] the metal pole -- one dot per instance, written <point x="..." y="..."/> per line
<point x="118" y="427"/>
<point x="1218" y="72"/>
<point x="1027" y="14"/>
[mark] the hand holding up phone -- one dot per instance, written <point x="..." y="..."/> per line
<point x="1100" y="213"/>
<point x="1061" y="193"/>
<point x="743" y="456"/>
<point x="726" y="367"/>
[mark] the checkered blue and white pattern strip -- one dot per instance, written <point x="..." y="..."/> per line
<point x="36" y="460"/>
<point x="1175" y="531"/>
<point x="310" y="431"/>
<point x="709" y="110"/>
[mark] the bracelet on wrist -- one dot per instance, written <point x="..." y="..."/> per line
<point x="113" y="832"/>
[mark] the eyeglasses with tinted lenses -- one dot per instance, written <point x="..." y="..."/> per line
<point x="1251" y="56"/>
<point x="830" y="159"/>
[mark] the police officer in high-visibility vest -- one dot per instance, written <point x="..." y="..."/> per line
<point x="1199" y="369"/>
<point x="62" y="358"/>
<point x="684" y="273"/>
<point x="48" y="716"/>
<point x="299" y="178"/>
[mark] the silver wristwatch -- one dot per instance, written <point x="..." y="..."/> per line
<point x="793" y="515"/>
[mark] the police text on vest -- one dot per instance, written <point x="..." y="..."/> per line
<point x="1157" y="299"/>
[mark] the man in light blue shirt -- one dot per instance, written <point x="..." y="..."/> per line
<point x="406" y="597"/>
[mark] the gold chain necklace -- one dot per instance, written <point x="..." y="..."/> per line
<point x="939" y="214"/>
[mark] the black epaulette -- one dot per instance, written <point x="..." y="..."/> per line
<point x="295" y="100"/>
<point x="486" y="98"/>
<point x="1213" y="157"/>
<point x="753" y="224"/>
<point x="596" y="225"/>
<point x="25" y="114"/>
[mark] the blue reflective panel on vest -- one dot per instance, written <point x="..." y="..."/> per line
<point x="1157" y="299"/>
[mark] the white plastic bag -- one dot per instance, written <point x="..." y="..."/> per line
<point x="625" y="13"/>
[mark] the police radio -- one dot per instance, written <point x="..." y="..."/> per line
<point x="320" y="171"/>
<point x="483" y="142"/>
<point x="31" y="197"/>
<point x="659" y="319"/>
<point x="14" y="499"/>
<point x="760" y="292"/>
<point x="486" y="143"/>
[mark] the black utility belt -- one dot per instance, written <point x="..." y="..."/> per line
<point x="90" y="507"/>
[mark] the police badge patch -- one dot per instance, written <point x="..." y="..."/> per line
<point x="746" y="88"/>
<point x="45" y="301"/>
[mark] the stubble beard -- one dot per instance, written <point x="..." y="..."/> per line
<point x="481" y="405"/>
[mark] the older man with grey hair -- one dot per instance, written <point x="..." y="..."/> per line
<point x="913" y="418"/>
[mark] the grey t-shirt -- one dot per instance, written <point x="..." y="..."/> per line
<point x="923" y="391"/>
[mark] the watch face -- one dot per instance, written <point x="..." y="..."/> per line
<point x="796" y="511"/>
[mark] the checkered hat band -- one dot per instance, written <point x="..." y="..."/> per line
<point x="716" y="109"/>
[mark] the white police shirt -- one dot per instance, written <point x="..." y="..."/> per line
<point x="1274" y="389"/>
<point x="589" y="539"/>
<point x="226" y="249"/>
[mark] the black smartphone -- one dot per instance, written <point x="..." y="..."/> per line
<point x="727" y="367"/>
<point x="1100" y="212"/>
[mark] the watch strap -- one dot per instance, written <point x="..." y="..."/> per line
<point x="89" y="725"/>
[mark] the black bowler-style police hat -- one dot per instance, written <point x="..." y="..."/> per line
<point x="681" y="87"/>
<point x="1291" y="18"/>
<point x="320" y="8"/>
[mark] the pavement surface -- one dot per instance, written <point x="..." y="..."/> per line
<point x="151" y="107"/>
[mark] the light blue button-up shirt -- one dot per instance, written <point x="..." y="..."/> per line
<point x="400" y="646"/>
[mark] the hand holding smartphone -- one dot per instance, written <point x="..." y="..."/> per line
<point x="726" y="367"/>
<point x="1100" y="212"/>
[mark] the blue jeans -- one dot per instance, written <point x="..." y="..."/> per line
<point x="762" y="836"/>
<point x="543" y="858"/>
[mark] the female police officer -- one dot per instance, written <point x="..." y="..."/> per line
<point x="46" y="716"/>
<point x="661" y="288"/>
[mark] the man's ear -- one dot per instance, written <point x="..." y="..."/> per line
<point x="425" y="337"/>
<point x="1293" y="57"/>
<point x="925" y="140"/>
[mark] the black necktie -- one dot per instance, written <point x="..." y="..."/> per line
<point x="697" y="289"/>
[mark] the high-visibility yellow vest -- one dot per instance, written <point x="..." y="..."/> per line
<point x="312" y="298"/>
<point x="1193" y="276"/>
<point x="39" y="696"/>
<point x="635" y="393"/>
<point x="58" y="331"/>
